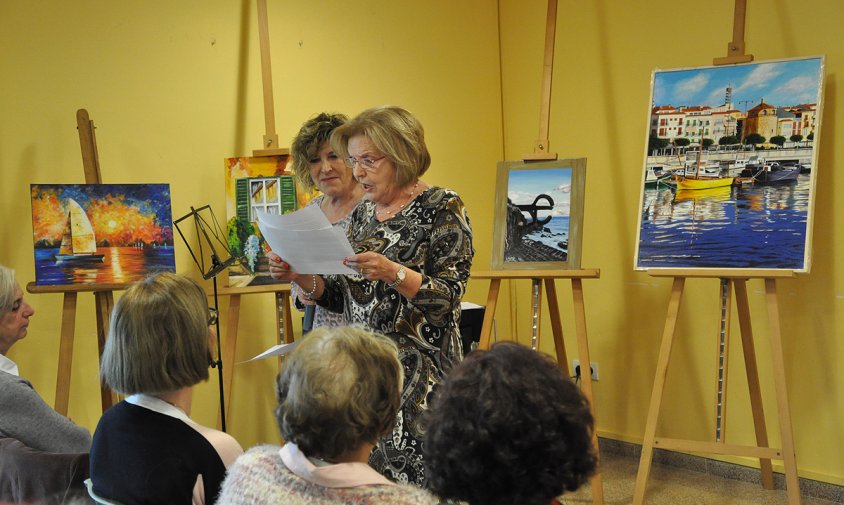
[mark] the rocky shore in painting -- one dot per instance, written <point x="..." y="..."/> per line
<point x="517" y="247"/>
<point x="532" y="250"/>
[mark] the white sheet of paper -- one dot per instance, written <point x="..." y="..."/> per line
<point x="307" y="241"/>
<point x="276" y="350"/>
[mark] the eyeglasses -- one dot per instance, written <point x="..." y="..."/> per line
<point x="366" y="162"/>
<point x="212" y="316"/>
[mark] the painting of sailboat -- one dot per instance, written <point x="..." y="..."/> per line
<point x="79" y="244"/>
<point x="101" y="233"/>
<point x="743" y="139"/>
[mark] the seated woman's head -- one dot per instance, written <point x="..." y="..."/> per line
<point x="159" y="337"/>
<point x="339" y="390"/>
<point x="508" y="426"/>
<point x="14" y="311"/>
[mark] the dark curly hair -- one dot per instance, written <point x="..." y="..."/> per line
<point x="508" y="427"/>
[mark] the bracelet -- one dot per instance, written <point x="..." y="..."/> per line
<point x="309" y="294"/>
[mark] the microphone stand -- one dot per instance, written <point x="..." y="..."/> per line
<point x="206" y="234"/>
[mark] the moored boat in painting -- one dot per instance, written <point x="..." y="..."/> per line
<point x="701" y="182"/>
<point x="703" y="177"/>
<point x="770" y="173"/>
<point x="78" y="242"/>
<point x="658" y="174"/>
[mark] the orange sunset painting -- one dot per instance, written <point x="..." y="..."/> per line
<point x="101" y="233"/>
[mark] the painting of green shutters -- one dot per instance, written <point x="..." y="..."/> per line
<point x="243" y="197"/>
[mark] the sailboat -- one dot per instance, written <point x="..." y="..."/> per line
<point x="701" y="181"/>
<point x="78" y="242"/>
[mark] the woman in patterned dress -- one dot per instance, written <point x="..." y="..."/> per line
<point x="413" y="245"/>
<point x="317" y="166"/>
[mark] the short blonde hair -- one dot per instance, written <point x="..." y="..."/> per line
<point x="305" y="146"/>
<point x="339" y="389"/>
<point x="395" y="132"/>
<point x="7" y="289"/>
<point x="158" y="337"/>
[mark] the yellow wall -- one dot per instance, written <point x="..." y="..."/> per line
<point x="174" y="88"/>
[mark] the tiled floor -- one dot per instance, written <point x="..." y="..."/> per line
<point x="674" y="485"/>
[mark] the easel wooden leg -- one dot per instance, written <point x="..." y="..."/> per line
<point x="104" y="301"/>
<point x="792" y="481"/>
<point x="282" y="299"/>
<point x="65" y="353"/>
<point x="489" y="313"/>
<point x="284" y="323"/>
<point x="229" y="353"/>
<point x="658" y="390"/>
<point x="585" y="375"/>
<point x="752" y="370"/>
<point x="556" y="325"/>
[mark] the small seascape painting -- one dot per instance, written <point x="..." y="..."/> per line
<point x="539" y="214"/>
<point x="101" y="233"/>
<point x="730" y="167"/>
<point x="256" y="183"/>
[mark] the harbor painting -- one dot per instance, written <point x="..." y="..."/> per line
<point x="730" y="167"/>
<point x="539" y="214"/>
<point x="101" y="233"/>
<point x="256" y="183"/>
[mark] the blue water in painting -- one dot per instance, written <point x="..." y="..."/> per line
<point x="553" y="233"/>
<point x="120" y="265"/>
<point x="760" y="226"/>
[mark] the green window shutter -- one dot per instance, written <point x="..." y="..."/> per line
<point x="241" y="199"/>
<point x="287" y="193"/>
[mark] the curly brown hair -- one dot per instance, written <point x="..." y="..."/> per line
<point x="307" y="143"/>
<point x="508" y="426"/>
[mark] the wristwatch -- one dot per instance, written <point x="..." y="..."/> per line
<point x="399" y="278"/>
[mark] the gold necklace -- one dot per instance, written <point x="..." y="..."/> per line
<point x="409" y="199"/>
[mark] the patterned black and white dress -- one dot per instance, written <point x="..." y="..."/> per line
<point x="431" y="235"/>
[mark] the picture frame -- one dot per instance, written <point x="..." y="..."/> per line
<point x="538" y="219"/>
<point x="731" y="167"/>
<point x="101" y="233"/>
<point x="265" y="183"/>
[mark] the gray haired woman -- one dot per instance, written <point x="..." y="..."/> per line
<point x="338" y="393"/>
<point x="23" y="413"/>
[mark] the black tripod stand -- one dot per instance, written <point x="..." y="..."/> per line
<point x="208" y="232"/>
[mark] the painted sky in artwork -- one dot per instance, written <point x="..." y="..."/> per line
<point x="120" y="214"/>
<point x="525" y="185"/>
<point x="779" y="83"/>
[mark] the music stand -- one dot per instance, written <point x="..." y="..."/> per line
<point x="208" y="232"/>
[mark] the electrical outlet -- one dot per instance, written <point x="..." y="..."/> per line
<point x="575" y="365"/>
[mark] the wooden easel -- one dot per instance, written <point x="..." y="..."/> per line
<point x="270" y="147"/>
<point x="730" y="278"/>
<point x="542" y="152"/>
<point x="547" y="277"/>
<point x="736" y="279"/>
<point x="103" y="293"/>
